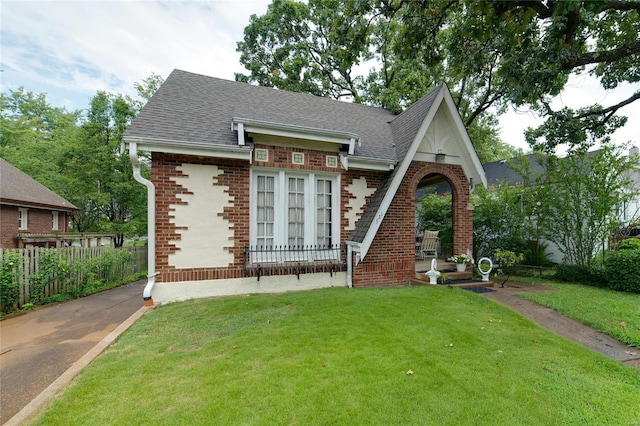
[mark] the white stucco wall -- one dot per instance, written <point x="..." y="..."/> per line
<point x="354" y="207"/>
<point x="205" y="232"/>
<point x="185" y="290"/>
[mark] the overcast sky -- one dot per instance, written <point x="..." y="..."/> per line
<point x="71" y="49"/>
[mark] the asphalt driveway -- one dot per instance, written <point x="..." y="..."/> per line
<point x="38" y="347"/>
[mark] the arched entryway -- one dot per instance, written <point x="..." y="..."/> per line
<point x="422" y="175"/>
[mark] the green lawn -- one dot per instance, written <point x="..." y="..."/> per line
<point x="612" y="312"/>
<point x="382" y="356"/>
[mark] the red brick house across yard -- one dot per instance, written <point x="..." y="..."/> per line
<point x="260" y="190"/>
<point x="30" y="213"/>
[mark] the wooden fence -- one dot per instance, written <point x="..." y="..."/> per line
<point x="76" y="267"/>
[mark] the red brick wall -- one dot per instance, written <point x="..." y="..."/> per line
<point x="38" y="221"/>
<point x="391" y="257"/>
<point x="8" y="226"/>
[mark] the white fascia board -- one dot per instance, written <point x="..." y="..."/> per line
<point x="294" y="131"/>
<point x="367" y="163"/>
<point x="472" y="166"/>
<point x="190" y="148"/>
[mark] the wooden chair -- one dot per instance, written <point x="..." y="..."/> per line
<point x="429" y="245"/>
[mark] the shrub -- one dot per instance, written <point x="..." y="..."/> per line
<point x="9" y="284"/>
<point x="582" y="274"/>
<point x="51" y="268"/>
<point x="623" y="269"/>
<point x="506" y="261"/>
<point x="630" y="244"/>
<point x="537" y="254"/>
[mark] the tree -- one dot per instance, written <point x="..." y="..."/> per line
<point x="34" y="135"/>
<point x="434" y="213"/>
<point x="534" y="46"/>
<point x="577" y="198"/>
<point x="79" y="156"/>
<point x="501" y="220"/>
<point x="323" y="47"/>
<point x="99" y="178"/>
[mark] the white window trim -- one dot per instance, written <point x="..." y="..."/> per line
<point x="23" y="219"/>
<point x="55" y="218"/>
<point x="311" y="214"/>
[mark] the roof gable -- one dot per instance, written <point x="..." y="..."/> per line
<point x="18" y="188"/>
<point x="410" y="129"/>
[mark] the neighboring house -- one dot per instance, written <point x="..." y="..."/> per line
<point x="501" y="171"/>
<point x="30" y="213"/>
<point x="255" y="189"/>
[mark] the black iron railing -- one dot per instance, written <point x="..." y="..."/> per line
<point x="293" y="260"/>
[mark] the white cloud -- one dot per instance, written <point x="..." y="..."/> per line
<point x="85" y="46"/>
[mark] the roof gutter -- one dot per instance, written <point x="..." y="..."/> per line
<point x="151" y="223"/>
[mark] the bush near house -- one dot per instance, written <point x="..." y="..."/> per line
<point x="620" y="271"/>
<point x="623" y="270"/>
<point x="582" y="274"/>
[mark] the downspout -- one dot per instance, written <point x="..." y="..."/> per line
<point x="350" y="250"/>
<point x="349" y="266"/>
<point x="151" y="224"/>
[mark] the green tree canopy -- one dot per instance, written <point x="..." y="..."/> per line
<point x="78" y="155"/>
<point x="352" y="50"/>
<point x="492" y="54"/>
<point x="528" y="50"/>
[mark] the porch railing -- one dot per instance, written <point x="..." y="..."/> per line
<point x="293" y="260"/>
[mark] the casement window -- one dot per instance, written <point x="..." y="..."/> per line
<point x="23" y="219"/>
<point x="292" y="210"/>
<point x="55" y="219"/>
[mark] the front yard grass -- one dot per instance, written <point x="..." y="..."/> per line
<point x="381" y="356"/>
<point x="611" y="312"/>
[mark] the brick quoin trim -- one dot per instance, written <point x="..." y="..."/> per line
<point x="373" y="180"/>
<point x="391" y="257"/>
<point x="235" y="176"/>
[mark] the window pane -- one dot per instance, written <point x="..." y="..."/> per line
<point x="295" y="228"/>
<point x="323" y="212"/>
<point x="265" y="211"/>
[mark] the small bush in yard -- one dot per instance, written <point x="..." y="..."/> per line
<point x="630" y="244"/>
<point x="581" y="274"/>
<point x="623" y="270"/>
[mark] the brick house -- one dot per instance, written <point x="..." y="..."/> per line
<point x="30" y="213"/>
<point x="254" y="189"/>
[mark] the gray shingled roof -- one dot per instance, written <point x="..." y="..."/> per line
<point x="195" y="108"/>
<point x="18" y="188"/>
<point x="501" y="171"/>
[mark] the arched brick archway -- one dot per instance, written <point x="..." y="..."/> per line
<point x="461" y="210"/>
<point x="391" y="257"/>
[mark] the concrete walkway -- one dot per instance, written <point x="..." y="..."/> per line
<point x="562" y="325"/>
<point x="43" y="349"/>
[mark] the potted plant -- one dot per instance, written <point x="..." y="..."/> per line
<point x="461" y="261"/>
